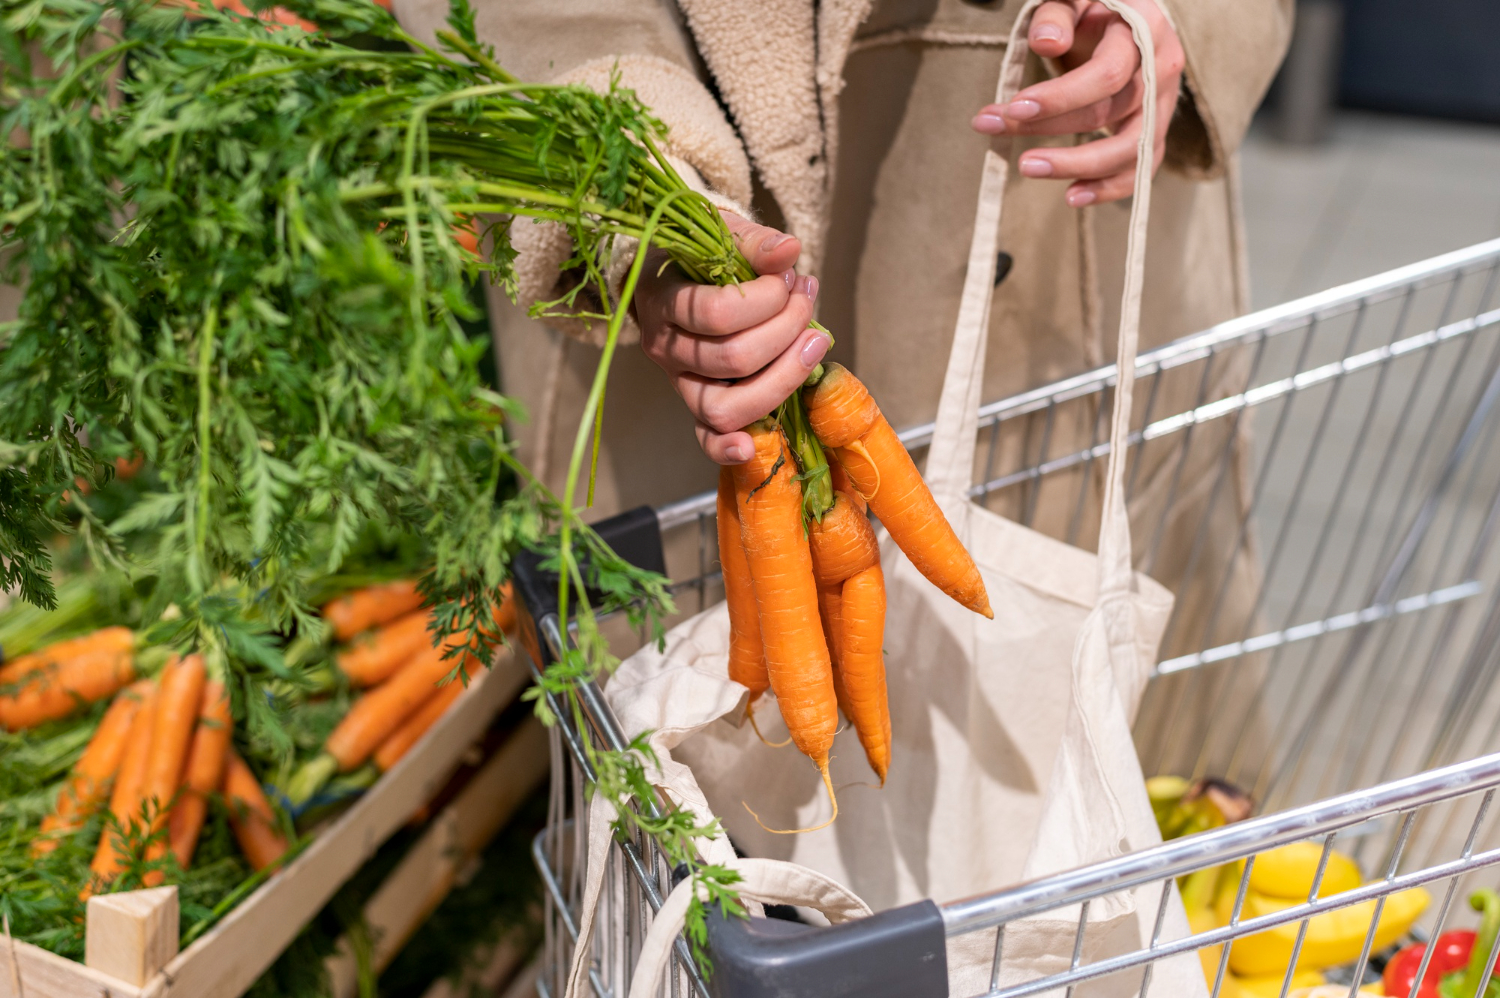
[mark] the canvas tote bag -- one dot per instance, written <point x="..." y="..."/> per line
<point x="1012" y="753"/>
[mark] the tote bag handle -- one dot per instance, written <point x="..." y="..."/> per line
<point x="950" y="461"/>
<point x="770" y="881"/>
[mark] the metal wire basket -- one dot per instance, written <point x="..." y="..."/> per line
<point x="1333" y="649"/>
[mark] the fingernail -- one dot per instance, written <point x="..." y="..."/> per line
<point x="811" y="289"/>
<point x="736" y="453"/>
<point x="815" y="349"/>
<point x="771" y="242"/>
<point x="992" y="124"/>
<point x="1080" y="199"/>
<point x="1046" y="32"/>
<point x="790" y="277"/>
<point x="1020" y="110"/>
<point x="1036" y="167"/>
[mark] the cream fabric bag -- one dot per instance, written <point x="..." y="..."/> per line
<point x="1012" y="753"/>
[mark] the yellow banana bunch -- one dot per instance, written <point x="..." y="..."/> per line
<point x="1282" y="878"/>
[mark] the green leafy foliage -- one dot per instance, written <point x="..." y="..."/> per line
<point x="236" y="241"/>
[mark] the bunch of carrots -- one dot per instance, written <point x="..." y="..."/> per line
<point x="163" y="747"/>
<point x="160" y="751"/>
<point x="391" y="656"/>
<point x="802" y="572"/>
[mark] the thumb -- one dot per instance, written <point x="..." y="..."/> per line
<point x="770" y="251"/>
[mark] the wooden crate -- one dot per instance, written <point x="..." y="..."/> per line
<point x="225" y="961"/>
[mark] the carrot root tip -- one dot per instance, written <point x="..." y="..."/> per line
<point x="750" y="715"/>
<point x="832" y="797"/>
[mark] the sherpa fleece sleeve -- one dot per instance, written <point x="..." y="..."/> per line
<point x="586" y="42"/>
<point x="1233" y="48"/>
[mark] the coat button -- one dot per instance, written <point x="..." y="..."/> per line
<point x="1003" y="264"/>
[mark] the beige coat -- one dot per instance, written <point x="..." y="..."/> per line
<point x="847" y="123"/>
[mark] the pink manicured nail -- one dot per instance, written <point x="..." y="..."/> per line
<point x="815" y="349"/>
<point x="1081" y="199"/>
<point x="811" y="289"/>
<point x="1047" y="33"/>
<point x="1036" y="167"/>
<point x="790" y="277"/>
<point x="771" y="242"/>
<point x="991" y="124"/>
<point x="1020" y="110"/>
<point x="736" y="453"/>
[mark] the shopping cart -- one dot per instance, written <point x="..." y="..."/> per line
<point x="1353" y="690"/>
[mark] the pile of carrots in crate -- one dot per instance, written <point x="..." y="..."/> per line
<point x="164" y="745"/>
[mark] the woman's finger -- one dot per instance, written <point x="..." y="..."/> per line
<point x="725" y="448"/>
<point x="770" y="251"/>
<point x="1090" y="161"/>
<point x="736" y="355"/>
<point x="710" y="310"/>
<point x="1101" y="114"/>
<point x="1112" y="188"/>
<point x="725" y="408"/>
<point x="1105" y="74"/>
<point x="1051" y="32"/>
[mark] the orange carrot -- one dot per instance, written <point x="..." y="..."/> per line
<point x="54" y="688"/>
<point x="780" y="563"/>
<point x="371" y="607"/>
<point x="505" y="611"/>
<point x="839" y="478"/>
<point x="846" y="560"/>
<point x="377" y="714"/>
<point x="845" y="418"/>
<point x="177" y="708"/>
<point x="747" y="657"/>
<point x="250" y="814"/>
<point x="843" y="542"/>
<point x="203" y="773"/>
<point x="831" y="613"/>
<point x="374" y="657"/>
<point x="400" y="742"/>
<point x="862" y="665"/>
<point x="130" y="781"/>
<point x="119" y="639"/>
<point x="94" y="772"/>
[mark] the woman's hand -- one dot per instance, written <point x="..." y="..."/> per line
<point x="1101" y="89"/>
<point x="733" y="353"/>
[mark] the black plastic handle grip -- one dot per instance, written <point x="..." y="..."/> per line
<point x="897" y="953"/>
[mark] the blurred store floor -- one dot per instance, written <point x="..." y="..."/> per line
<point x="1382" y="192"/>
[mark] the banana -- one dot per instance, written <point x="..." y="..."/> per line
<point x="1288" y="871"/>
<point x="1333" y="937"/>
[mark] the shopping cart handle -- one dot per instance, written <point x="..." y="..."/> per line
<point x="897" y="953"/>
<point x="635" y="535"/>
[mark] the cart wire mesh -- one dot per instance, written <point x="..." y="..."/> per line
<point x="1333" y="647"/>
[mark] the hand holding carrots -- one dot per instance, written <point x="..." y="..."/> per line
<point x="732" y="353"/>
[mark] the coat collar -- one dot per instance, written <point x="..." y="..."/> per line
<point x="779" y="66"/>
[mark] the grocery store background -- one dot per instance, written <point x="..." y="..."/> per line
<point x="1379" y="144"/>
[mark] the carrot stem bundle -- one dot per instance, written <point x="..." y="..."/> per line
<point x="846" y="418"/>
<point x="94" y="773"/>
